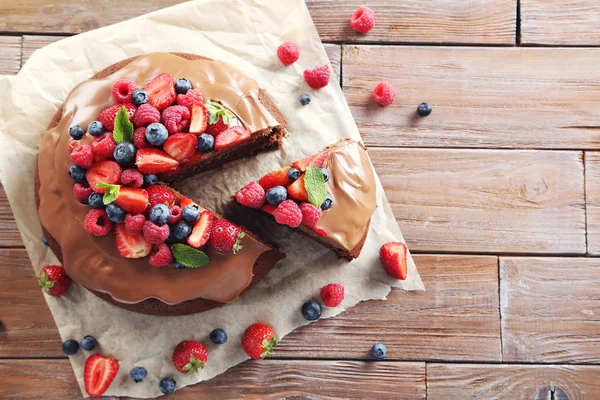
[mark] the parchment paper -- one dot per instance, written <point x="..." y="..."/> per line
<point x="246" y="34"/>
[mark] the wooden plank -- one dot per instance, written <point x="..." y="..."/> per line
<point x="550" y="309"/>
<point x="10" y="54"/>
<point x="334" y="52"/>
<point x="560" y="22"/>
<point x="494" y="201"/>
<point x="540" y="382"/>
<point x="592" y="199"/>
<point x="481" y="97"/>
<point x="33" y="42"/>
<point x="9" y="233"/>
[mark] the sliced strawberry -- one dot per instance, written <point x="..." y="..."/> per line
<point x="132" y="200"/>
<point x="98" y="373"/>
<point x="201" y="232"/>
<point x="104" y="171"/>
<point x="181" y="146"/>
<point x="275" y="178"/>
<point x="154" y="161"/>
<point x="393" y="259"/>
<point x="199" y="119"/>
<point x="231" y="137"/>
<point x="269" y="208"/>
<point x="131" y="246"/>
<point x="187" y="202"/>
<point x="297" y="190"/>
<point x="317" y="160"/>
<point x="161" y="91"/>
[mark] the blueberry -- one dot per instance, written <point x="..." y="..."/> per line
<point x="205" y="143"/>
<point x="294" y="173"/>
<point x="95" y="128"/>
<point x="218" y="336"/>
<point x="182" y="230"/>
<point x="182" y="85"/>
<point x="424" y="109"/>
<point x="304" y="99"/>
<point x="327" y="203"/>
<point x="378" y="351"/>
<point x="311" y="310"/>
<point x="276" y="195"/>
<point x="77" y="173"/>
<point x="167" y="385"/>
<point x="150" y="179"/>
<point x="124" y="153"/>
<point x="178" y="265"/>
<point x="156" y="134"/>
<point x="160" y="214"/>
<point x="115" y="213"/>
<point x="325" y="173"/>
<point x="139" y="97"/>
<point x="138" y="374"/>
<point x="76" y="132"/>
<point x="190" y="213"/>
<point x="171" y="238"/>
<point x="70" y="347"/>
<point x="95" y="200"/>
<point x="88" y="343"/>
<point x="45" y="241"/>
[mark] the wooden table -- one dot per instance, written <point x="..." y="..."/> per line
<point x="497" y="193"/>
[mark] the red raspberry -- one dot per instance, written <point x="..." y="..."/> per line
<point x="97" y="222"/>
<point x="310" y="214"/>
<point x="132" y="177"/>
<point x="82" y="192"/>
<point x="288" y="213"/>
<point x="176" y="215"/>
<point x="159" y="195"/>
<point x="176" y="118"/>
<point x="123" y="89"/>
<point x="145" y="115"/>
<point x="384" y="93"/>
<point x="83" y="156"/>
<point x="104" y="146"/>
<point x="217" y="127"/>
<point x="363" y="20"/>
<point x="318" y="77"/>
<point x="155" y="234"/>
<point x="288" y="53"/>
<point x="161" y="256"/>
<point x="332" y="294"/>
<point x="134" y="224"/>
<point x="193" y="96"/>
<point x="139" y="138"/>
<point x="252" y="195"/>
<point x="107" y="117"/>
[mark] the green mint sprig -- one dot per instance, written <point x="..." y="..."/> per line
<point x="188" y="256"/>
<point x="111" y="194"/>
<point x="123" y="130"/>
<point x="216" y="110"/>
<point x="315" y="185"/>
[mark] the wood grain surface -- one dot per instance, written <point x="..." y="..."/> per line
<point x="9" y="233"/>
<point x="592" y="195"/>
<point x="10" y="54"/>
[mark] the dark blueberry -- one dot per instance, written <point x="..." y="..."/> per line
<point x="171" y="238"/>
<point x="178" y="265"/>
<point x="182" y="230"/>
<point x="205" y="143"/>
<point x="327" y="203"/>
<point x="95" y="128"/>
<point x="378" y="351"/>
<point x="182" y="85"/>
<point x="424" y="109"/>
<point x="167" y="385"/>
<point x="45" y="241"/>
<point x="88" y="343"/>
<point x="115" y="213"/>
<point x="76" y="132"/>
<point x="77" y="173"/>
<point x="191" y="213"/>
<point x="139" y="97"/>
<point x="138" y="374"/>
<point x="150" y="179"/>
<point x="304" y="99"/>
<point x="95" y="200"/>
<point x="160" y="214"/>
<point x="70" y="347"/>
<point x="124" y="153"/>
<point x="311" y="310"/>
<point x="325" y="174"/>
<point x="218" y="336"/>
<point x="294" y="173"/>
<point x="276" y="195"/>
<point x="156" y="134"/>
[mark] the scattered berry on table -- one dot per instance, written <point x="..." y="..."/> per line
<point x="304" y="99"/>
<point x="98" y="373"/>
<point x="122" y="90"/>
<point x="393" y="259"/>
<point x="97" y="222"/>
<point x="176" y="118"/>
<point x="145" y="115"/>
<point x="218" y="336"/>
<point x="95" y="200"/>
<point x="225" y="237"/>
<point x="311" y="310"/>
<point x="139" y="97"/>
<point x="160" y="195"/>
<point x="131" y="246"/>
<point x="134" y="224"/>
<point x="325" y="172"/>
<point x="231" y="137"/>
<point x="70" y="347"/>
<point x="132" y="177"/>
<point x="182" y="86"/>
<point x="288" y="53"/>
<point x="332" y="294"/>
<point x="181" y="146"/>
<point x="167" y="385"/>
<point x="176" y="214"/>
<point x="202" y="230"/>
<point x="363" y="20"/>
<point x="276" y="195"/>
<point x="124" y="153"/>
<point x="378" y="351"/>
<point x="138" y="374"/>
<point x="96" y="128"/>
<point x="108" y="172"/>
<point x="159" y="214"/>
<point x="182" y="230"/>
<point x="83" y="156"/>
<point x="154" y="161"/>
<point x="82" y="192"/>
<point x="384" y="93"/>
<point x="288" y="213"/>
<point x="311" y="215"/>
<point x="45" y="241"/>
<point x="88" y="342"/>
<point x="275" y="178"/>
<point x="115" y="213"/>
<point x="258" y="341"/>
<point x="107" y="117"/>
<point x="54" y="280"/>
<point x="190" y="98"/>
<point x="155" y="234"/>
<point x="189" y="356"/>
<point x="191" y="213"/>
<point x="318" y="77"/>
<point x="252" y="195"/>
<point x="206" y="143"/>
<point x="150" y="179"/>
<point x="293" y="174"/>
<point x="327" y="203"/>
<point x="161" y="91"/>
<point x="76" y="132"/>
<point x="424" y="109"/>
<point x="156" y="134"/>
<point x="161" y="255"/>
<point x="77" y="173"/>
<point x="104" y="146"/>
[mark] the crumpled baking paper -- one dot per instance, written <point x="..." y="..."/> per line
<point x="244" y="33"/>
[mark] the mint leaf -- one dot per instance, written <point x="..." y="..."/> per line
<point x="111" y="194"/>
<point x="315" y="185"/>
<point x="216" y="110"/>
<point x="188" y="256"/>
<point x="123" y="130"/>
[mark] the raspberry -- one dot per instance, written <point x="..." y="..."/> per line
<point x="145" y="115"/>
<point x="288" y="213"/>
<point x="161" y="256"/>
<point x="97" y="222"/>
<point x="363" y="20"/>
<point x="139" y="138"/>
<point x="82" y="192"/>
<point x="134" y="224"/>
<point x="252" y="195"/>
<point x="288" y="53"/>
<point x="123" y="89"/>
<point x="176" y="118"/>
<point x="104" y="146"/>
<point x="107" y="117"/>
<point x="310" y="214"/>
<point x="217" y="127"/>
<point x="83" y="156"/>
<point x="332" y="294"/>
<point x="159" y="195"/>
<point x="132" y="177"/>
<point x="318" y="77"/>
<point x="155" y="234"/>
<point x="193" y="96"/>
<point x="176" y="215"/>
<point x="384" y="93"/>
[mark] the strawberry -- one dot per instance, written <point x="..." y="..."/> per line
<point x="54" y="280"/>
<point x="188" y="202"/>
<point x="393" y="259"/>
<point x="132" y="200"/>
<point x="131" y="246"/>
<point x="199" y="119"/>
<point x="158" y="194"/>
<point x="201" y="231"/>
<point x="297" y="190"/>
<point x="181" y="146"/>
<point x="225" y="237"/>
<point x="269" y="208"/>
<point x="231" y="137"/>
<point x="217" y="127"/>
<point x="154" y="161"/>
<point x="161" y="91"/>
<point x="189" y="355"/>
<point x="107" y="117"/>
<point x="104" y="171"/>
<point x="317" y="160"/>
<point x="258" y="341"/>
<point x="98" y="373"/>
<point x="275" y="178"/>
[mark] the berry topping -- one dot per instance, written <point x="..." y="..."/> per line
<point x="156" y="134"/>
<point x="132" y="177"/>
<point x="159" y="214"/>
<point x="258" y="341"/>
<point x="167" y="385"/>
<point x="154" y="161"/>
<point x="138" y="374"/>
<point x="288" y="53"/>
<point x="363" y="20"/>
<point x="332" y="294"/>
<point x="82" y="192"/>
<point x="304" y="99"/>
<point x="325" y="172"/>
<point x="378" y="351"/>
<point x="54" y="280"/>
<point x="182" y="86"/>
<point x="134" y="223"/>
<point x="176" y="214"/>
<point x="115" y="213"/>
<point x="225" y="237"/>
<point x="104" y="147"/>
<point x="189" y="355"/>
<point x="98" y="373"/>
<point x="190" y="98"/>
<point x="124" y="153"/>
<point x="276" y="195"/>
<point x="77" y="174"/>
<point x="384" y="93"/>
<point x="176" y="118"/>
<point x="123" y="89"/>
<point x="288" y="213"/>
<point x="293" y="174"/>
<point x="88" y="343"/>
<point x="231" y="137"/>
<point x="218" y="336"/>
<point x="181" y="230"/>
<point x="317" y="78"/>
<point x="191" y="213"/>
<point x="217" y="127"/>
<point x="424" y="109"/>
<point x="276" y="178"/>
<point x="76" y="132"/>
<point x="83" y="156"/>
<point x="181" y="146"/>
<point x="311" y="215"/>
<point x="95" y="200"/>
<point x="139" y="97"/>
<point x="393" y="259"/>
<point x="45" y="241"/>
<point x="269" y="208"/>
<point x="131" y="246"/>
<point x="132" y="200"/>
<point x="201" y="231"/>
<point x="317" y="160"/>
<point x="160" y="195"/>
<point x="139" y="138"/>
<point x="108" y="172"/>
<point x="107" y="117"/>
<point x="161" y="91"/>
<point x="327" y="203"/>
<point x="161" y="256"/>
<point x="96" y="128"/>
<point x="150" y="179"/>
<point x="252" y="195"/>
<point x="97" y="223"/>
<point x="205" y="143"/>
<point x="297" y="190"/>
<point x="145" y="115"/>
<point x="155" y="234"/>
<point x="311" y="310"/>
<point x="70" y="347"/>
<point x="199" y="120"/>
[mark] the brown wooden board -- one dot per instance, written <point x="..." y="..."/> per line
<point x="10" y="53"/>
<point x="32" y="42"/>
<point x="592" y="200"/>
<point x="9" y="233"/>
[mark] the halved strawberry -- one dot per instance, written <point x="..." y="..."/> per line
<point x="154" y="161"/>
<point x="131" y="246"/>
<point x="269" y="208"/>
<point x="297" y="190"/>
<point x="185" y="201"/>
<point x="201" y="232"/>
<point x="161" y="91"/>
<point x="199" y="119"/>
<point x="181" y="146"/>
<point x="98" y="373"/>
<point x="317" y="160"/>
<point x="393" y="259"/>
<point x="132" y="200"/>
<point x="104" y="171"/>
<point x="275" y="178"/>
<point x="230" y="137"/>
